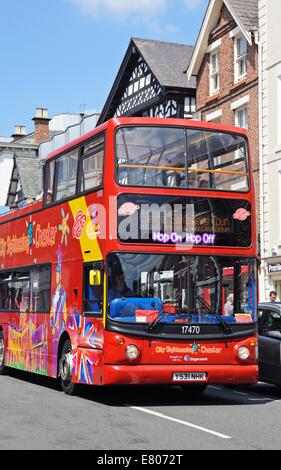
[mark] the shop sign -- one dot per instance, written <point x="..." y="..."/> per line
<point x="274" y="268"/>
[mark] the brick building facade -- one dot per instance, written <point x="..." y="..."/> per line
<point x="225" y="62"/>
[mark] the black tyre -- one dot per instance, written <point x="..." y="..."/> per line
<point x="193" y="389"/>
<point x="2" y="354"/>
<point x="65" y="369"/>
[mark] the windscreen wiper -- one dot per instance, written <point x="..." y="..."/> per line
<point x="204" y="304"/>
<point x="159" y="317"/>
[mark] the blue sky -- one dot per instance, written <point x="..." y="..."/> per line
<point x="65" y="54"/>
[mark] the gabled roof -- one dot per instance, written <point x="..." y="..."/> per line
<point x="29" y="175"/>
<point x="167" y="61"/>
<point x="244" y="13"/>
<point x="26" y="172"/>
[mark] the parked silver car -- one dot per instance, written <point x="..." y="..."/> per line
<point x="269" y="317"/>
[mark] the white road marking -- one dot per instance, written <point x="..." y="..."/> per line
<point x="179" y="421"/>
<point x="261" y="399"/>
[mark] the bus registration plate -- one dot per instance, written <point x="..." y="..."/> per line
<point x="189" y="376"/>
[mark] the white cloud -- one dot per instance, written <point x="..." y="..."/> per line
<point x="192" y="4"/>
<point x="121" y="8"/>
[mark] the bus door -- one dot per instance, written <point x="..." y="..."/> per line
<point x="93" y="289"/>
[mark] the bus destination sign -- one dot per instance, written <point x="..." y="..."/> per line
<point x="193" y="221"/>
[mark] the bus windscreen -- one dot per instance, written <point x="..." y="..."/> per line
<point x="187" y="158"/>
<point x="187" y="288"/>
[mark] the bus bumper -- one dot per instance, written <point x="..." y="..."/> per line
<point x="163" y="374"/>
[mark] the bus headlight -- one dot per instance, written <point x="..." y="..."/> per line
<point x="243" y="353"/>
<point x="132" y="352"/>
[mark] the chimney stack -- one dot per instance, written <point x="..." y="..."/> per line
<point x="41" y="125"/>
<point x="19" y="132"/>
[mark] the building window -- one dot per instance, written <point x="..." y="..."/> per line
<point x="278" y="200"/>
<point x="240" y="58"/>
<point x="279" y="109"/>
<point x="189" y="105"/>
<point x="214" y="72"/>
<point x="241" y="117"/>
<point x="241" y="120"/>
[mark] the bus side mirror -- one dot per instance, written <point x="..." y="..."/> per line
<point x="95" y="277"/>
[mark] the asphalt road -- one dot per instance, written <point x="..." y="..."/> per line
<point x="35" y="414"/>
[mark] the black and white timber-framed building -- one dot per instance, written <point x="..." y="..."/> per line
<point x="152" y="82"/>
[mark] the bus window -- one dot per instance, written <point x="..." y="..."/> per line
<point x="49" y="181"/>
<point x="151" y="157"/>
<point x="40" y="289"/>
<point x="21" y="283"/>
<point x="93" y="294"/>
<point x="217" y="160"/>
<point x="181" y="158"/>
<point x="91" y="172"/>
<point x="14" y="290"/>
<point x="66" y="173"/>
<point x="26" y="289"/>
<point x="3" y="289"/>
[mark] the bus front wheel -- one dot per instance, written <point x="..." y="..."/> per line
<point x="65" y="369"/>
<point x="2" y="353"/>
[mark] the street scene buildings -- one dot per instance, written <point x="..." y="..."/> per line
<point x="231" y="75"/>
<point x="132" y="274"/>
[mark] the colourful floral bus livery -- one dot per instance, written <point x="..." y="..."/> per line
<point x="78" y="225"/>
<point x="121" y="274"/>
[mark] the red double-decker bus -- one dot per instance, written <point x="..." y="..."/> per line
<point x="139" y="264"/>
